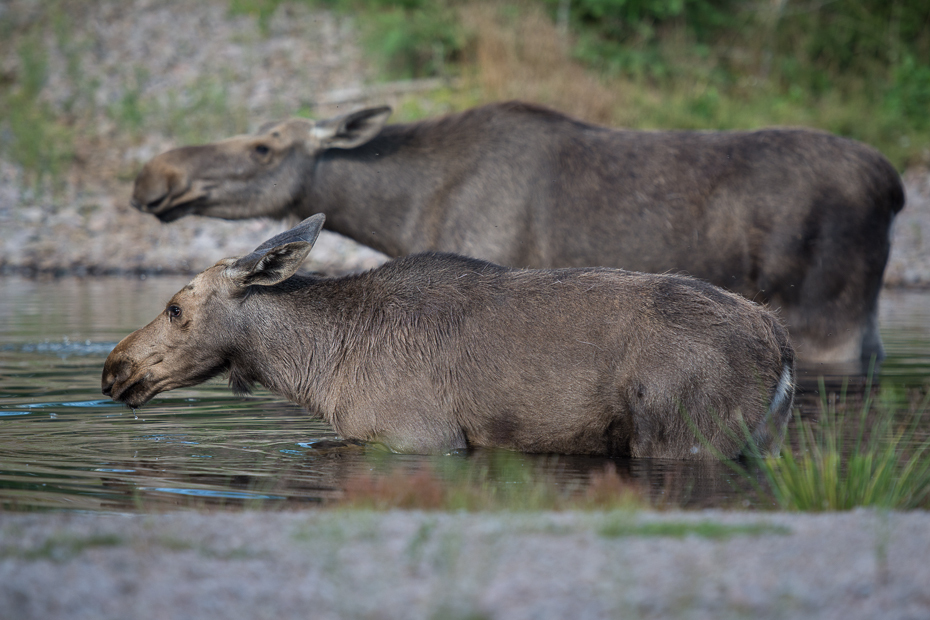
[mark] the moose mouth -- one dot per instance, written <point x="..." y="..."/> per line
<point x="168" y="208"/>
<point x="133" y="395"/>
<point x="173" y="211"/>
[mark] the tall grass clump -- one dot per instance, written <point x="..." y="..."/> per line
<point x="518" y="53"/>
<point x="851" y="460"/>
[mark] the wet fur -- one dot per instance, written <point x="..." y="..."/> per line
<point x="434" y="352"/>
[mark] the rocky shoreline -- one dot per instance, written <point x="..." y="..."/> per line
<point x="211" y="68"/>
<point x="132" y="76"/>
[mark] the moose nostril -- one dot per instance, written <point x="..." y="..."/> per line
<point x="151" y="205"/>
<point x="106" y="384"/>
<point x="114" y="371"/>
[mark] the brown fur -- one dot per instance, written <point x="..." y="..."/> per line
<point x="797" y="219"/>
<point x="434" y="352"/>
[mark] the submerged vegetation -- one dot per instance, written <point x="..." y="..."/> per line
<point x="505" y="482"/>
<point x="850" y="455"/>
<point x="862" y="451"/>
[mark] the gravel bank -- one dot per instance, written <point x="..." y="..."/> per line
<point x="330" y="564"/>
<point x="219" y="70"/>
<point x="209" y="72"/>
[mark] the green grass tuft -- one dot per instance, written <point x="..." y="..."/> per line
<point x="622" y="527"/>
<point x="851" y="460"/>
<point x="62" y="548"/>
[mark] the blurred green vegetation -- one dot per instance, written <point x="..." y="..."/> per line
<point x="858" y="68"/>
<point x="406" y="38"/>
<point x="32" y="134"/>
<point x="419" y="38"/>
<point x="41" y="134"/>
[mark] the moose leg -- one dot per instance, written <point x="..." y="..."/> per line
<point x="872" y="344"/>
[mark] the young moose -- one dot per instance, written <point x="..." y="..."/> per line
<point x="434" y="352"/>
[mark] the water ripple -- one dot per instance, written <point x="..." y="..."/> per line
<point x="63" y="348"/>
<point x="65" y="447"/>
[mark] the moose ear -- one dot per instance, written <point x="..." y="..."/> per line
<point x="278" y="258"/>
<point x="266" y="127"/>
<point x="351" y="130"/>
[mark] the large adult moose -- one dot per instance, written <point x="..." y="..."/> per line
<point x="794" y="218"/>
<point x="434" y="352"/>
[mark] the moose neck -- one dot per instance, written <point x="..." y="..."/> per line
<point x="372" y="195"/>
<point x="287" y="338"/>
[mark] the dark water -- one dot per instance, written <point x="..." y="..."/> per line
<point x="64" y="446"/>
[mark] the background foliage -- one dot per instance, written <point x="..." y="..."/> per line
<point x="858" y="68"/>
<point x="800" y="46"/>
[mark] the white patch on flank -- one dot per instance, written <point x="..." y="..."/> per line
<point x="321" y="132"/>
<point x="781" y="392"/>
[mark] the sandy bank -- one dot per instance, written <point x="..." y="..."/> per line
<point x="330" y="564"/>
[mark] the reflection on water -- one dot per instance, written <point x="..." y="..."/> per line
<point x="64" y="446"/>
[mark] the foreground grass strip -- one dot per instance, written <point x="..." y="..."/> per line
<point x="623" y="528"/>
<point x="62" y="548"/>
<point x="234" y="553"/>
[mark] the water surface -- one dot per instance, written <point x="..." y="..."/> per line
<point x="63" y="445"/>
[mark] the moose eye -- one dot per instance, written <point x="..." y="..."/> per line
<point x="174" y="311"/>
<point x="261" y="149"/>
